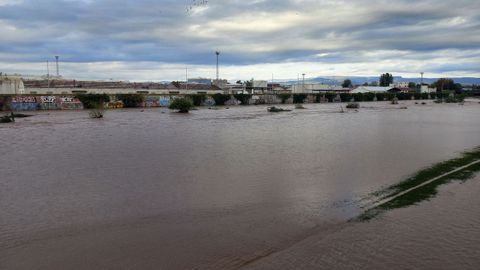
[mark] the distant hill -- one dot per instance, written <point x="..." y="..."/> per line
<point x="337" y="80"/>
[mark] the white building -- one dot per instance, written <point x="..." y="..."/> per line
<point x="10" y="85"/>
<point x="399" y="85"/>
<point x="371" y="89"/>
<point x="426" y="89"/>
<point x="312" y="88"/>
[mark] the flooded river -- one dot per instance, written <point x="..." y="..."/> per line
<point x="151" y="189"/>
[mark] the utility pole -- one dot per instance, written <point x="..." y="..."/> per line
<point x="58" y="71"/>
<point x="186" y="78"/>
<point x="48" y="75"/>
<point x="298" y="81"/>
<point x="271" y="88"/>
<point x="217" y="53"/>
<point x="303" y="83"/>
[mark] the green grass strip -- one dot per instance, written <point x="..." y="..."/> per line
<point x="393" y="197"/>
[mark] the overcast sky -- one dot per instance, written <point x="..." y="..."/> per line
<point x="157" y="40"/>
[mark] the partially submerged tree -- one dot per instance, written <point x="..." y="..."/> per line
<point x="447" y="84"/>
<point x="182" y="105"/>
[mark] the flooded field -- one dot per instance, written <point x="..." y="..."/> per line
<point x="151" y="189"/>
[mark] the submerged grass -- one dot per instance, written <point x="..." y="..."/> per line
<point x="429" y="190"/>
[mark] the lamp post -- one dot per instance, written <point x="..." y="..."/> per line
<point x="217" y="53"/>
<point x="303" y="83"/>
<point x="56" y="61"/>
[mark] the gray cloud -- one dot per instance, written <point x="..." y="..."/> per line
<point x="249" y="33"/>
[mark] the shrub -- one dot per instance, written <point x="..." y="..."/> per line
<point x="380" y="96"/>
<point x="358" y="97"/>
<point x="131" y="100"/>
<point x="346" y="97"/>
<point x="220" y="98"/>
<point x="455" y="99"/>
<point x="91" y="101"/>
<point x="285" y="97"/>
<point x="182" y="105"/>
<point x="390" y="96"/>
<point x="368" y="96"/>
<point x="353" y="105"/>
<point x="7" y="118"/>
<point x="198" y="99"/>
<point x="275" y="109"/>
<point x="243" y="98"/>
<point x="299" y="98"/>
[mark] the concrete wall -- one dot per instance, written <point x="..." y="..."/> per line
<point x="67" y="91"/>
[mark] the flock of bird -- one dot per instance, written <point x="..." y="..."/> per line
<point x="192" y="4"/>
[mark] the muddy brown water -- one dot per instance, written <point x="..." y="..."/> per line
<point x="218" y="189"/>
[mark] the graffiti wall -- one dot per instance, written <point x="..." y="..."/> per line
<point x="232" y="101"/>
<point x="165" y="101"/>
<point x="24" y="103"/>
<point x="69" y="103"/>
<point x="209" y="102"/>
<point x="157" y="101"/>
<point x="47" y="103"/>
<point x="151" y="102"/>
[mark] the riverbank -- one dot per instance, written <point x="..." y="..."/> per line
<point x="442" y="233"/>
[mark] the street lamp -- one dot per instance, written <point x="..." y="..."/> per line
<point x="217" y="53"/>
<point x="303" y="83"/>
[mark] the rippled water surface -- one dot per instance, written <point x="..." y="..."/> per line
<point x="220" y="188"/>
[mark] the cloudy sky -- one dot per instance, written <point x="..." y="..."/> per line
<point x="158" y="39"/>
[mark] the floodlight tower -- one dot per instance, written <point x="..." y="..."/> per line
<point x="56" y="61"/>
<point x="217" y="53"/>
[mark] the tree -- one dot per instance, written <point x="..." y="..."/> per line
<point x="412" y="85"/>
<point x="182" y="105"/>
<point x="386" y="79"/>
<point x="447" y="84"/>
<point x="347" y="83"/>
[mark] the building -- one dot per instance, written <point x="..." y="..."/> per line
<point x="400" y="84"/>
<point x="402" y="90"/>
<point x="427" y="89"/>
<point x="313" y="88"/>
<point x="235" y="88"/>
<point x="204" y="81"/>
<point x="11" y="85"/>
<point x="371" y="89"/>
<point x="259" y="87"/>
